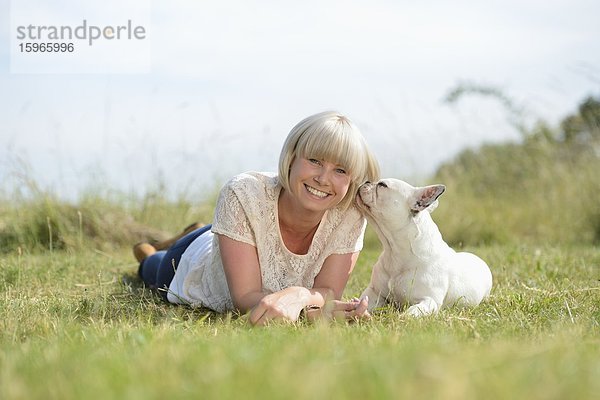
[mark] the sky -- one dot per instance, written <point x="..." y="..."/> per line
<point x="214" y="87"/>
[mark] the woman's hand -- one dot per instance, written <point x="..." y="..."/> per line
<point x="287" y="305"/>
<point x="283" y="305"/>
<point x="352" y="310"/>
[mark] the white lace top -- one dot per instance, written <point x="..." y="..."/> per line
<point x="247" y="211"/>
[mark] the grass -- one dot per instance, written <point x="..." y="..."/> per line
<point x="536" y="191"/>
<point x="77" y="324"/>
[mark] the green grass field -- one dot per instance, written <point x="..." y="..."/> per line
<point x="78" y="324"/>
<point x="75" y="323"/>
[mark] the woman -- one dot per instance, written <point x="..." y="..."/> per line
<point x="279" y="244"/>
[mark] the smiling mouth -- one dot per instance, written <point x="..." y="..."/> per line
<point x="316" y="192"/>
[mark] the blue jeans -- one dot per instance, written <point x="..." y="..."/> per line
<point x="157" y="271"/>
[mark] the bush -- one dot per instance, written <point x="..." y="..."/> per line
<point x="542" y="190"/>
<point x="46" y="222"/>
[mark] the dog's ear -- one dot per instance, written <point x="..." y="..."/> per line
<point x="423" y="197"/>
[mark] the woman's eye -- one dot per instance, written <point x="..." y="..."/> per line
<point x="314" y="161"/>
<point x="341" y="171"/>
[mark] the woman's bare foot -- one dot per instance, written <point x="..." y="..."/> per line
<point x="143" y="250"/>
<point x="165" y="244"/>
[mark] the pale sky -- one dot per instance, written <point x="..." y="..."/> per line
<point x="229" y="79"/>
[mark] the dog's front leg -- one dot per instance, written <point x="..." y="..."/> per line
<point x="425" y="306"/>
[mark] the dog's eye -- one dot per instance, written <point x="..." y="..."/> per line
<point x="382" y="184"/>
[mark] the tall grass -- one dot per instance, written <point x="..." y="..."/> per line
<point x="106" y="222"/>
<point x="539" y="192"/>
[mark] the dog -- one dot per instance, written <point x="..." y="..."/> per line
<point x="417" y="268"/>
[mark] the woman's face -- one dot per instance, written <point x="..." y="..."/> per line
<point x="318" y="185"/>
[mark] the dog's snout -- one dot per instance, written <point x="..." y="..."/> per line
<point x="366" y="185"/>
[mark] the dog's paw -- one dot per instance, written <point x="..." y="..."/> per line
<point x="422" y="309"/>
<point x="415" y="311"/>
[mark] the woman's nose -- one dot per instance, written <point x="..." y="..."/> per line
<point x="322" y="177"/>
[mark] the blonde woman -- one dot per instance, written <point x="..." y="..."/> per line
<point x="279" y="243"/>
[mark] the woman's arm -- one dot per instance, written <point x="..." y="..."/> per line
<point x="240" y="263"/>
<point x="242" y="270"/>
<point x="335" y="273"/>
<point x="334" y="276"/>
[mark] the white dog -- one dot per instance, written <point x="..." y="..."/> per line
<point x="417" y="268"/>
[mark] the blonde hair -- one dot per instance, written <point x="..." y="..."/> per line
<point x="332" y="137"/>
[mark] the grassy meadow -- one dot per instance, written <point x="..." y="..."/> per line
<point x="75" y="322"/>
<point x="78" y="324"/>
